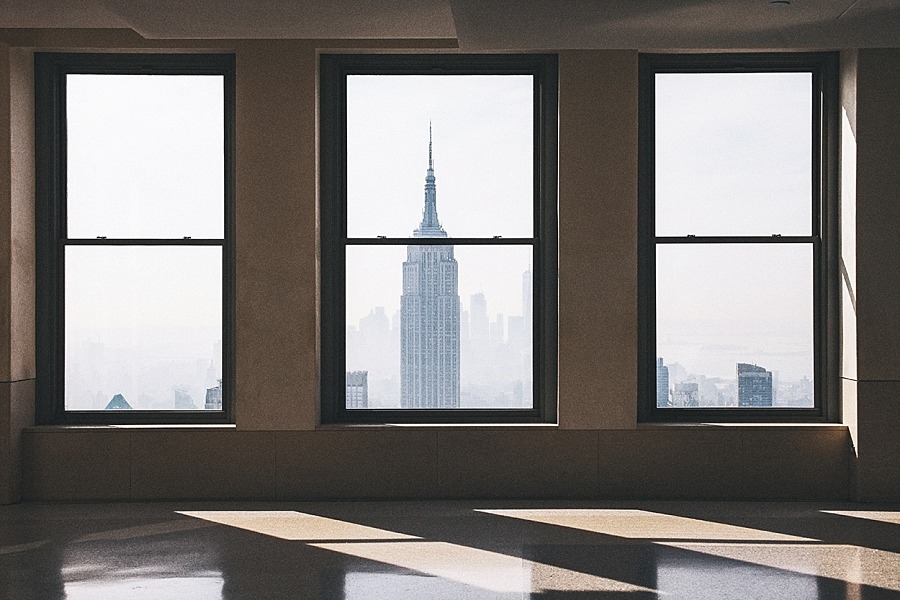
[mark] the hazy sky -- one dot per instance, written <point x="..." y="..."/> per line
<point x="145" y="160"/>
<point x="482" y="146"/>
<point x="145" y="156"/>
<point x="733" y="157"/>
<point x="733" y="153"/>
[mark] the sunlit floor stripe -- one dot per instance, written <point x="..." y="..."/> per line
<point x="853" y="564"/>
<point x="642" y="524"/>
<point x="883" y="516"/>
<point x="296" y="526"/>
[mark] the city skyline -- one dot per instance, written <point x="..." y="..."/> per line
<point x="490" y="343"/>
<point x="750" y="385"/>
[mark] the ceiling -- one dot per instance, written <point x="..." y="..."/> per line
<point x="488" y="24"/>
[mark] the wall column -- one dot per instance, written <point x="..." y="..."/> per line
<point x="16" y="263"/>
<point x="873" y="413"/>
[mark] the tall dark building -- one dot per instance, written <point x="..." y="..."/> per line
<point x="429" y="314"/>
<point x="754" y="385"/>
<point x="662" y="384"/>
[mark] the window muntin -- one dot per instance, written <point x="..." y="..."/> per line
<point x="135" y="251"/>
<point x="736" y="239"/>
<point x="403" y="274"/>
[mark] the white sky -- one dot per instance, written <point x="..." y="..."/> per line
<point x="482" y="143"/>
<point x="145" y="160"/>
<point x="733" y="153"/>
<point x="145" y="156"/>
<point x="733" y="157"/>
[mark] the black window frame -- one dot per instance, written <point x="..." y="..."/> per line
<point x="51" y="69"/>
<point x="333" y="239"/>
<point x="825" y="133"/>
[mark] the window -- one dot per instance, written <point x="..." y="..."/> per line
<point x="134" y="238"/>
<point x="438" y="238"/>
<point x="737" y="237"/>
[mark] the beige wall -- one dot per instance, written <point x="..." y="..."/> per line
<point x="16" y="263"/>
<point x="276" y="449"/>
<point x="877" y="136"/>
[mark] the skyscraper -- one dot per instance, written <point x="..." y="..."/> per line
<point x="357" y="389"/>
<point x="214" y="397"/>
<point x="754" y="385"/>
<point x="662" y="384"/>
<point x="429" y="314"/>
<point x="686" y="394"/>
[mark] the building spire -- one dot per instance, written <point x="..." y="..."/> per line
<point x="430" y="226"/>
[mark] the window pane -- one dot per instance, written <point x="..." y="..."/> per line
<point x="734" y="325"/>
<point x="145" y="156"/>
<point x="481" y="153"/>
<point x="733" y="154"/>
<point x="143" y="327"/>
<point x="439" y="327"/>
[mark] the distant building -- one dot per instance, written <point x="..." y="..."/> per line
<point x="183" y="400"/>
<point x="118" y="402"/>
<point x="429" y="314"/>
<point x="497" y="336"/>
<point x="662" y="384"/>
<point x="479" y="323"/>
<point x="214" y="397"/>
<point x="686" y="394"/>
<point x="754" y="385"/>
<point x="357" y="389"/>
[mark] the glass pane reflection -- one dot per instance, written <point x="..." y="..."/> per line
<point x="150" y="588"/>
<point x="702" y="576"/>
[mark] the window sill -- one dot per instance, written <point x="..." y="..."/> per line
<point x="747" y="425"/>
<point x="54" y="428"/>
<point x="340" y="426"/>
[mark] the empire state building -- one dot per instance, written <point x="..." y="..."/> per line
<point x="429" y="314"/>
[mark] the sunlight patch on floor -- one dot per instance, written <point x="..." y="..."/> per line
<point x="295" y="526"/>
<point x="863" y="566"/>
<point x="642" y="524"/>
<point x="882" y="516"/>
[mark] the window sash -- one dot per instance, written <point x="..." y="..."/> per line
<point x="334" y="239"/>
<point x="823" y="239"/>
<point x="51" y="70"/>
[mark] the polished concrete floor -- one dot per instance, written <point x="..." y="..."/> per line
<point x="472" y="550"/>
